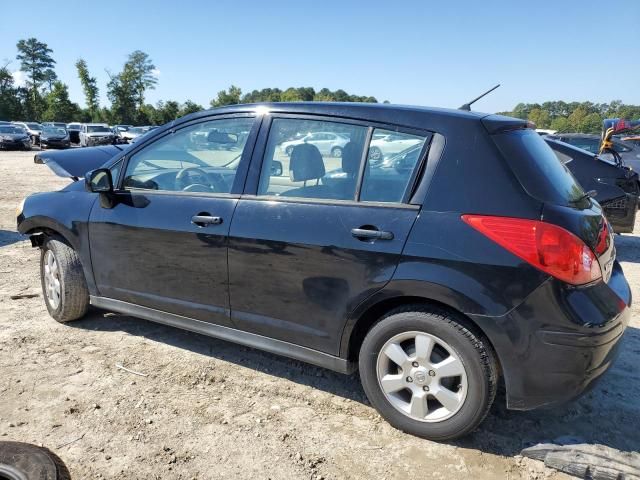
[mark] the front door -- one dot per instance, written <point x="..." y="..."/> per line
<point x="304" y="250"/>
<point x="164" y="243"/>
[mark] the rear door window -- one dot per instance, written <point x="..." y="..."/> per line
<point x="391" y="163"/>
<point x="538" y="169"/>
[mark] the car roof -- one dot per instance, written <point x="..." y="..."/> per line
<point x="405" y="115"/>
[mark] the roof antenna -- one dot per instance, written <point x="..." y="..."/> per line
<point x="467" y="106"/>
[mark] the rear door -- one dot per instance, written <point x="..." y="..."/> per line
<point x="164" y="244"/>
<point x="306" y="247"/>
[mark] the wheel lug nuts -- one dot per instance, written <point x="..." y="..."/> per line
<point x="425" y="388"/>
<point x="415" y="364"/>
<point x="432" y="373"/>
<point x="409" y="379"/>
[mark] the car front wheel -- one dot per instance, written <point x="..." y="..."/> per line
<point x="428" y="372"/>
<point x="63" y="284"/>
<point x="336" y="152"/>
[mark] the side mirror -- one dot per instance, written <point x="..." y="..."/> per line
<point x="276" y="168"/>
<point x="99" y="181"/>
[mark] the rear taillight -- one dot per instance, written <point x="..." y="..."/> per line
<point x="547" y="247"/>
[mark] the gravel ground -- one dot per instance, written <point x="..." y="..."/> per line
<point x="212" y="409"/>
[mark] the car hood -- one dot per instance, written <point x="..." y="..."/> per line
<point x="76" y="162"/>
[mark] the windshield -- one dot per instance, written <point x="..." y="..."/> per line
<point x="34" y="126"/>
<point x="54" y="131"/>
<point x="8" y="129"/>
<point x="73" y="126"/>
<point x="538" y="169"/>
<point x="137" y="130"/>
<point x="98" y="129"/>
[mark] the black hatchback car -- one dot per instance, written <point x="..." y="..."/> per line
<point x="483" y="259"/>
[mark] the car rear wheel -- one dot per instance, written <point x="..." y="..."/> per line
<point x="288" y="150"/>
<point x="336" y="152"/>
<point x="428" y="372"/>
<point x="63" y="284"/>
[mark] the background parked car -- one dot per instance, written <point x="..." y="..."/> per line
<point x="34" y="130"/>
<point x="54" y="124"/>
<point x="630" y="153"/>
<point x="14" y="136"/>
<point x="74" y="132"/>
<point x="95" y="134"/>
<point x="617" y="188"/>
<point x="385" y="145"/>
<point x="54" y="137"/>
<point x="135" y="132"/>
<point x="329" y="143"/>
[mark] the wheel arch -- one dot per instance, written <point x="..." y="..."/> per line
<point x="370" y="314"/>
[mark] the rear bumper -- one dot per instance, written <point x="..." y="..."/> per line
<point x="560" y="340"/>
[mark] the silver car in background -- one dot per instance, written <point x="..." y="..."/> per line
<point x="96" y="134"/>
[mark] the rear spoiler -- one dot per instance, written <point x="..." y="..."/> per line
<point x="501" y="123"/>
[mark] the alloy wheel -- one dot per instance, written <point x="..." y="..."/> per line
<point x="422" y="376"/>
<point x="53" y="288"/>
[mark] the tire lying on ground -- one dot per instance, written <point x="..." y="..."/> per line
<point x="23" y="461"/>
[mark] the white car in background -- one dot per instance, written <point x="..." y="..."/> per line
<point x="92" y="134"/>
<point x="389" y="144"/>
<point x="329" y="143"/>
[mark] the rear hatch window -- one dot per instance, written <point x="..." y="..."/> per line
<point x="538" y="169"/>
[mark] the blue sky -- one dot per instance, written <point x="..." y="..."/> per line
<point x="412" y="52"/>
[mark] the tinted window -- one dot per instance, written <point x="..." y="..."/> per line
<point x="314" y="159"/>
<point x="588" y="144"/>
<point x="199" y="158"/>
<point x="538" y="169"/>
<point x="392" y="159"/>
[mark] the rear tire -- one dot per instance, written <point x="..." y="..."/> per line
<point x="336" y="152"/>
<point x="63" y="283"/>
<point x="420" y="397"/>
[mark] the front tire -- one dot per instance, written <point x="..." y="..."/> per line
<point x="63" y="284"/>
<point x="336" y="152"/>
<point x="428" y="372"/>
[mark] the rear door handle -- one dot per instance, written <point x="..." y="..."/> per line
<point x="371" y="234"/>
<point x="205" y="220"/>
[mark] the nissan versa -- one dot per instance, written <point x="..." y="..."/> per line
<point x="477" y="258"/>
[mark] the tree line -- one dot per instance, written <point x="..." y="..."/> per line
<point x="44" y="97"/>
<point x="581" y="117"/>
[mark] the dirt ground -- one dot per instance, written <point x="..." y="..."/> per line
<point x="212" y="409"/>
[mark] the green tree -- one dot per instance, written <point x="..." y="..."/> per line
<point x="231" y="96"/>
<point x="90" y="89"/>
<point x="126" y="90"/>
<point x="36" y="61"/>
<point x="59" y="107"/>
<point x="189" y="107"/>
<point x="10" y="106"/>
<point x="540" y="118"/>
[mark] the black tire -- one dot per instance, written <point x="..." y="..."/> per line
<point x="288" y="151"/>
<point x="469" y="345"/>
<point x="74" y="295"/>
<point x="23" y="461"/>
<point x="336" y="152"/>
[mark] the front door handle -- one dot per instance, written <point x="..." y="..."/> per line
<point x="371" y="233"/>
<point x="205" y="220"/>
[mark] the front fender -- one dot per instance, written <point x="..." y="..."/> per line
<point x="66" y="213"/>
